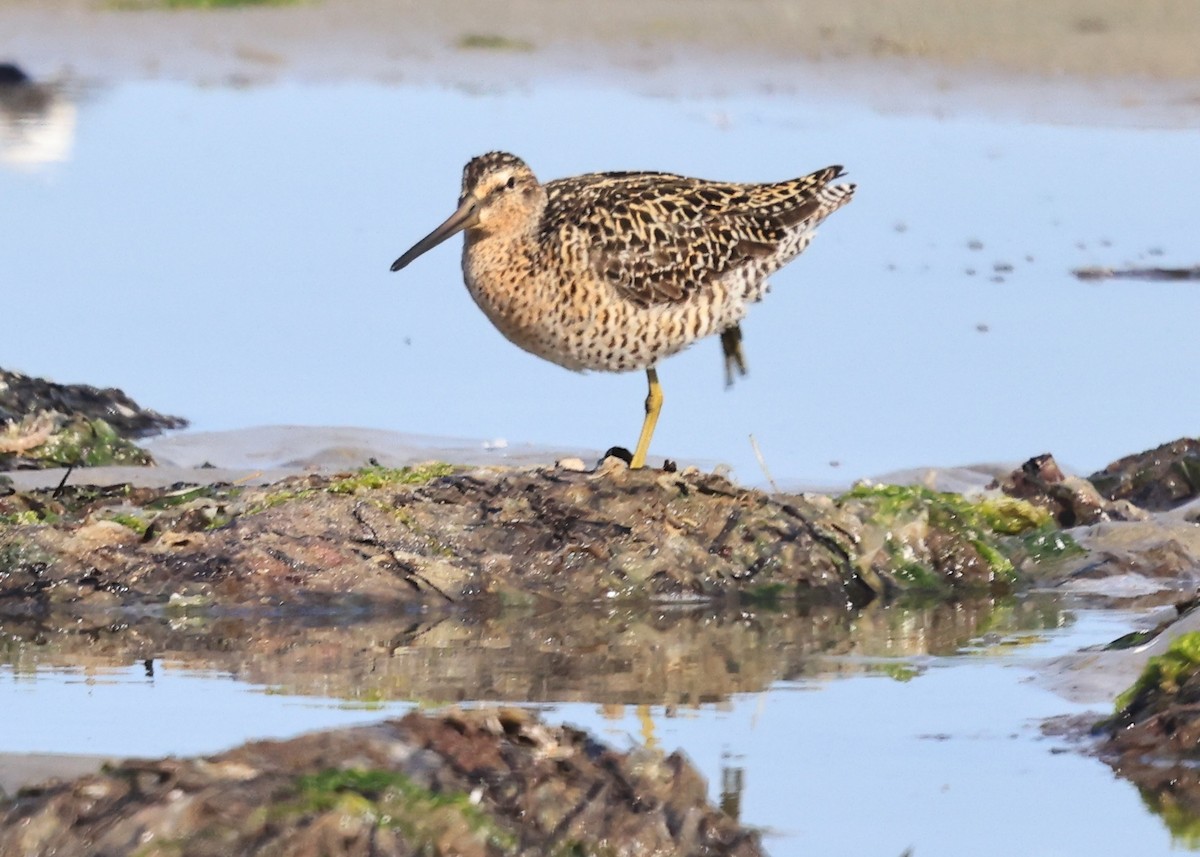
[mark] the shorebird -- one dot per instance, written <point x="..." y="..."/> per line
<point x="615" y="271"/>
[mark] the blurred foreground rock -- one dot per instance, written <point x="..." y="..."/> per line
<point x="485" y="782"/>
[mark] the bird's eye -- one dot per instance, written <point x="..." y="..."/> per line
<point x="511" y="183"/>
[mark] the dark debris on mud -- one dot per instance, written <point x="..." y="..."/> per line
<point x="471" y="784"/>
<point x="1155" y="274"/>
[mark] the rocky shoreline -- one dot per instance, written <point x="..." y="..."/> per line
<point x="45" y="424"/>
<point x="489" y="782"/>
<point x="232" y="569"/>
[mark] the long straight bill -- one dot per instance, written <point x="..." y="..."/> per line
<point x="466" y="217"/>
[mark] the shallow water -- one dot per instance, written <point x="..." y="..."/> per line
<point x="856" y="735"/>
<point x="223" y="254"/>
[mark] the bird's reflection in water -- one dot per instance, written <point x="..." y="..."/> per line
<point x="37" y="121"/>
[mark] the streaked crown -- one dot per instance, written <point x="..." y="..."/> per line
<point x="484" y="173"/>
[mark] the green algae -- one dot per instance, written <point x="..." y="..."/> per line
<point x="1000" y="564"/>
<point x="392" y="799"/>
<point x="133" y="522"/>
<point x="18" y="555"/>
<point x="179" y="603"/>
<point x="1164" y="673"/>
<point x="930" y="538"/>
<point x="375" y="477"/>
<point x="1130" y="641"/>
<point x="1048" y="543"/>
<point x="81" y="442"/>
<point x="277" y="498"/>
<point x="766" y="596"/>
<point x="915" y="575"/>
<point x="493" y="42"/>
<point x="218" y="521"/>
<point x="23" y="518"/>
<point x="1001" y="515"/>
<point x="1010" y="516"/>
<point x="901" y="671"/>
<point x="188" y="493"/>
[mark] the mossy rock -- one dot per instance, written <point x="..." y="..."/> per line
<point x="51" y="440"/>
<point x="391" y="799"/>
<point x="1164" y="678"/>
<point x="914" y="538"/>
<point x="1159" y="479"/>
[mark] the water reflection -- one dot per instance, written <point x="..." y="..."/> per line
<point x="37" y="120"/>
<point x="733" y="690"/>
<point x="1175" y="804"/>
<point x="235" y="238"/>
<point x="733" y="785"/>
<point x="667" y="657"/>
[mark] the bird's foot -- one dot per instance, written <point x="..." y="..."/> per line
<point x="623" y="454"/>
<point x="618" y="452"/>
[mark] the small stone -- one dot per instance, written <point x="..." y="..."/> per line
<point x="96" y="789"/>
<point x="612" y="465"/>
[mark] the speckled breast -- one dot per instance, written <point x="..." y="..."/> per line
<point x="582" y="323"/>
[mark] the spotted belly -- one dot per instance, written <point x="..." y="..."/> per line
<point x="585" y="332"/>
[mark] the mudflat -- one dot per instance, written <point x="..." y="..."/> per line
<point x="1133" y="54"/>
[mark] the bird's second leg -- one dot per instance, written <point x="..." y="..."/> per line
<point x="731" y="346"/>
<point x="654" y="400"/>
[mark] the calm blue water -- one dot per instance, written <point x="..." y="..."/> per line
<point x="223" y="254"/>
<point x="846" y="760"/>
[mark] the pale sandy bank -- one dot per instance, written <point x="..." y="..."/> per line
<point x="923" y="54"/>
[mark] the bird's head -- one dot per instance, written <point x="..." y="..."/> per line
<point x="499" y="194"/>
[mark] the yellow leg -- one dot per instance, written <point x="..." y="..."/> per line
<point x="654" y="400"/>
<point x="644" y="717"/>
